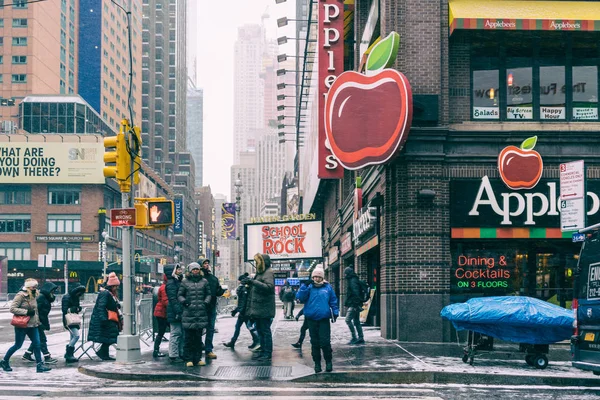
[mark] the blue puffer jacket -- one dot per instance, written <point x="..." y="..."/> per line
<point x="319" y="303"/>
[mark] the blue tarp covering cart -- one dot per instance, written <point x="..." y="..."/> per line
<point x="531" y="322"/>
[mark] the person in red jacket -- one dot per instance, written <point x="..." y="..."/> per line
<point x="160" y="312"/>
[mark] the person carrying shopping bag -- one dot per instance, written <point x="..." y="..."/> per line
<point x="71" y="309"/>
<point x="26" y="321"/>
<point x="44" y="302"/>
<point x="106" y="321"/>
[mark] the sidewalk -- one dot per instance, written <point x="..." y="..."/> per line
<point x="378" y="361"/>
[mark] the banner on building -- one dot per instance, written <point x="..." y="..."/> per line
<point x="49" y="163"/>
<point x="178" y="225"/>
<point x="228" y="221"/>
<point x="284" y="240"/>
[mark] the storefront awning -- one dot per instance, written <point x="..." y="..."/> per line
<point x="524" y="15"/>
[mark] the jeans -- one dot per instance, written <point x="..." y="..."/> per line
<point x="34" y="336"/>
<point x="162" y="328"/>
<point x="288" y="307"/>
<point x="353" y="321"/>
<point x="320" y="339"/>
<point x="193" y="345"/>
<point x="74" y="336"/>
<point x="176" y="340"/>
<point x="43" y="343"/>
<point x="263" y="326"/>
<point x="210" y="330"/>
<point x="238" y="325"/>
<point x="303" y="330"/>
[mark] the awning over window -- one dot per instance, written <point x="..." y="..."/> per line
<point x="524" y="15"/>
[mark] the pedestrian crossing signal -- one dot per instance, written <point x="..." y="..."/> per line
<point x="160" y="212"/>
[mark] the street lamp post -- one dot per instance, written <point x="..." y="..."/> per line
<point x="238" y="208"/>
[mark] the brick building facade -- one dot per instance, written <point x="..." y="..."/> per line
<point x="428" y="219"/>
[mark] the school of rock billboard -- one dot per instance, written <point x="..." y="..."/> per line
<point x="294" y="240"/>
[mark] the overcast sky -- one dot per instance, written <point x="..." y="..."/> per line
<point x="217" y="25"/>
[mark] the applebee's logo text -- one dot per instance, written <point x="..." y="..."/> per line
<point x="546" y="204"/>
<point x="288" y="239"/>
<point x="564" y="25"/>
<point x="499" y="24"/>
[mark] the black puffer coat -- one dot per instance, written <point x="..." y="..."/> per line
<point x="44" y="303"/>
<point x="261" y="303"/>
<point x="353" y="291"/>
<point x="242" y="295"/>
<point x="174" y="309"/>
<point x="102" y="330"/>
<point x="71" y="301"/>
<point x="215" y="288"/>
<point x="194" y="295"/>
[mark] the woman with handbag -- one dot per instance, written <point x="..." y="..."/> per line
<point x="106" y="318"/>
<point x="26" y="322"/>
<point x="71" y="318"/>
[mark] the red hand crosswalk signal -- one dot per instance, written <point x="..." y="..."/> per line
<point x="160" y="212"/>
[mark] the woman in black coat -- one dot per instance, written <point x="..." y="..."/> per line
<point x="103" y="329"/>
<point x="71" y="303"/>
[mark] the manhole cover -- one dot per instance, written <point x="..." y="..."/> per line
<point x="254" y="372"/>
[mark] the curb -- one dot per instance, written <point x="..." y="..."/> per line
<point x="440" y="377"/>
<point x="132" y="376"/>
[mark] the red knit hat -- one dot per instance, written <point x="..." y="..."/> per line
<point x="113" y="280"/>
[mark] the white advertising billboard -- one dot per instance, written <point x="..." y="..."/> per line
<point x="51" y="162"/>
<point x="292" y="240"/>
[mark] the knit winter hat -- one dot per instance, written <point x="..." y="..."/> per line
<point x="348" y="271"/>
<point x="113" y="280"/>
<point x="318" y="272"/>
<point x="243" y="276"/>
<point x="193" y="265"/>
<point x="31" y="283"/>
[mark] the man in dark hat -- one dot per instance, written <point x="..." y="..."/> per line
<point x="240" y="310"/>
<point x="354" y="304"/>
<point x="216" y="291"/>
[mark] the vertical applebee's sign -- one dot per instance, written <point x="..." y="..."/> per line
<point x="331" y="64"/>
<point x="368" y="117"/>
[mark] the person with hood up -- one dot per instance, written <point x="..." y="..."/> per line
<point x="160" y="312"/>
<point x="287" y="296"/>
<point x="44" y="304"/>
<point x="242" y="295"/>
<point x="354" y="304"/>
<point x="320" y="305"/>
<point x="261" y="307"/>
<point x="106" y="320"/>
<point x="71" y="304"/>
<point x="25" y="305"/>
<point x="174" y="274"/>
<point x="216" y="291"/>
<point x="194" y="295"/>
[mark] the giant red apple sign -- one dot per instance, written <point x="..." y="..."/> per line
<point x="368" y="117"/>
<point x="521" y="168"/>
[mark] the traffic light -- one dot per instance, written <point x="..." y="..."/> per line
<point x="121" y="171"/>
<point x="137" y="161"/>
<point x="160" y="212"/>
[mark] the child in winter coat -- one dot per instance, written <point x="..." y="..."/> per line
<point x="320" y="305"/>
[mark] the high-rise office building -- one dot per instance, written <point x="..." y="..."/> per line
<point x="195" y="128"/>
<point x="39" y="53"/>
<point x="104" y="80"/>
<point x="270" y="158"/>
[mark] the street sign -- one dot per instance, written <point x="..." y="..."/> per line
<point x="45" y="261"/>
<point x="122" y="217"/>
<point x="578" y="237"/>
<point x="572" y="180"/>
<point x="572" y="215"/>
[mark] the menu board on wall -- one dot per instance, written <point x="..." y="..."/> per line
<point x="483" y="271"/>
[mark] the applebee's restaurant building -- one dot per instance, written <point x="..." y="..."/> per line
<point x="449" y="218"/>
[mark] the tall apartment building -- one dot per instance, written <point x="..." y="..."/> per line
<point x="195" y="128"/>
<point x="270" y="159"/>
<point x="39" y="53"/>
<point x="104" y="45"/>
<point x="192" y="39"/>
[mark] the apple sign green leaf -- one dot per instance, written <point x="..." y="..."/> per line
<point x="529" y="143"/>
<point x="384" y="53"/>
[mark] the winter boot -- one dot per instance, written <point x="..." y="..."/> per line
<point x="318" y="367"/>
<point x="28" y="356"/>
<point x="297" y="345"/>
<point x="157" y="354"/>
<point x="231" y="345"/>
<point x="49" y="360"/>
<point x="264" y="357"/>
<point x="328" y="366"/>
<point x="69" y="357"/>
<point x="5" y="366"/>
<point x="42" y="368"/>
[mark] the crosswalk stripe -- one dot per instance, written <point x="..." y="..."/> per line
<point x="178" y="396"/>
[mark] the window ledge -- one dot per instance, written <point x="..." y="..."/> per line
<point x="493" y="126"/>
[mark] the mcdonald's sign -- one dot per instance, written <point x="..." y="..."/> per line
<point x="73" y="274"/>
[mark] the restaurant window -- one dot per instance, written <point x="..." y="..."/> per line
<point x="15" y="223"/>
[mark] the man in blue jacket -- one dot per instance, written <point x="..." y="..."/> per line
<point x="320" y="305"/>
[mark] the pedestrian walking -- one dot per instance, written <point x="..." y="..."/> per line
<point x="354" y="303"/>
<point x="303" y="330"/>
<point x="106" y="321"/>
<point x="71" y="304"/>
<point x="44" y="303"/>
<point x="216" y="291"/>
<point x="26" y="321"/>
<point x="174" y="311"/>
<point x="194" y="295"/>
<point x="320" y="306"/>
<point x="160" y="313"/>
<point x="262" y="304"/>
<point x="287" y="295"/>
<point x="240" y="310"/>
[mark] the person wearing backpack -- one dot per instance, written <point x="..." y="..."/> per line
<point x="354" y="302"/>
<point x="287" y="296"/>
